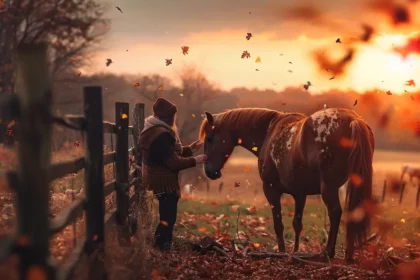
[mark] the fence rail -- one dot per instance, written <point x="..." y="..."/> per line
<point x="32" y="110"/>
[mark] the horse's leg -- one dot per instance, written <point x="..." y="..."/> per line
<point x="332" y="201"/>
<point x="273" y="196"/>
<point x="297" y="219"/>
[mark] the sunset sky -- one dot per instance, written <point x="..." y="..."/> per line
<point x="215" y="31"/>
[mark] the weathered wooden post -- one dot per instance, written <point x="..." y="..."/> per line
<point x="139" y="197"/>
<point x="94" y="180"/>
<point x="121" y="161"/>
<point x="35" y="96"/>
<point x="384" y="191"/>
<point x="402" y="192"/>
<point x="138" y="125"/>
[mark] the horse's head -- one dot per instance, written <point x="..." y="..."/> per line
<point x="218" y="145"/>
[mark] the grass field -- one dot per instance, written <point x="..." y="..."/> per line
<point x="205" y="213"/>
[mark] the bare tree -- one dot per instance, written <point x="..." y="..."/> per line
<point x="70" y="27"/>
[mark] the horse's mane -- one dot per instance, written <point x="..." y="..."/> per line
<point x="240" y="117"/>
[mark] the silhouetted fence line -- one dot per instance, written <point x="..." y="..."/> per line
<point x="400" y="190"/>
<point x="31" y="180"/>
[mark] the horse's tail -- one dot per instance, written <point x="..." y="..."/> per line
<point x="359" y="188"/>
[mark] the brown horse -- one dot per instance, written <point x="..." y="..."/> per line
<point x="300" y="155"/>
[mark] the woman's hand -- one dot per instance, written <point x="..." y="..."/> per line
<point x="200" y="159"/>
<point x="196" y="145"/>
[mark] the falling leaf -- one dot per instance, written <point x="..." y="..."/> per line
<point x="245" y="54"/>
<point x="185" y="50"/>
<point x="258" y="60"/>
<point x="256" y="245"/>
<point x="402" y="221"/>
<point x="202" y="229"/>
<point x="76" y="143"/>
<point x="11" y="124"/>
<point x="410" y="83"/>
<point x="356" y="180"/>
<point x="181" y="94"/>
<point x="108" y="62"/>
<point x="239" y="140"/>
<point x="36" y="273"/>
<point x="346" y="143"/>
<point x="389" y="92"/>
<point x="332" y="78"/>
<point x="338" y="40"/>
<point x="290" y="71"/>
<point x="165" y="223"/>
<point x="412" y="98"/>
<point x="137" y="84"/>
<point x="237" y="184"/>
<point x="124" y="116"/>
<point x="255" y="149"/>
<point x="356" y="215"/>
<point x="355" y="103"/>
<point x="252" y="209"/>
<point x="119" y="9"/>
<point x="248" y="36"/>
<point x="168" y="61"/>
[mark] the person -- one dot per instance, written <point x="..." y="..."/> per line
<point x="163" y="157"/>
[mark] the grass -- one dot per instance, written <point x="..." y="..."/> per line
<point x="206" y="217"/>
<point x="224" y="217"/>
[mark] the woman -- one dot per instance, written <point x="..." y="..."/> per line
<point x="163" y="158"/>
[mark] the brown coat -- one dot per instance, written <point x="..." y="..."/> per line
<point x="160" y="163"/>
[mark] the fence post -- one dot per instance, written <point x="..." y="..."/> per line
<point x="384" y="191"/>
<point x="138" y="125"/>
<point x="121" y="161"/>
<point x="402" y="191"/>
<point x="94" y="181"/>
<point x="34" y="132"/>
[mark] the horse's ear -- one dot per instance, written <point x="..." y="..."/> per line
<point x="210" y="118"/>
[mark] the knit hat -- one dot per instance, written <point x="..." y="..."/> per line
<point x="163" y="109"/>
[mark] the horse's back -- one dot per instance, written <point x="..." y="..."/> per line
<point x="309" y="146"/>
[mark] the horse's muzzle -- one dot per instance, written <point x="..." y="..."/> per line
<point x="213" y="175"/>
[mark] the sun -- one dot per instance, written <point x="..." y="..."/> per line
<point x="397" y="64"/>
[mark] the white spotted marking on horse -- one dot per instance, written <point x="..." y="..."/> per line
<point x="325" y="122"/>
<point x="292" y="133"/>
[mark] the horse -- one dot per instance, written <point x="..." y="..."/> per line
<point x="300" y="155"/>
<point x="412" y="171"/>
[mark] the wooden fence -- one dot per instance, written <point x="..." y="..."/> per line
<point x="30" y="182"/>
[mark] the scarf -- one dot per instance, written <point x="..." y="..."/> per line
<point x="152" y="121"/>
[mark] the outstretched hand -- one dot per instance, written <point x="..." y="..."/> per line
<point x="196" y="145"/>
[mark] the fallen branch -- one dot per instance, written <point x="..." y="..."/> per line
<point x="281" y="255"/>
<point x="324" y="265"/>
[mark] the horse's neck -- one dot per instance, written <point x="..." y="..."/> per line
<point x="252" y="136"/>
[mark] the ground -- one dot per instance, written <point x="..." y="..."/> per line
<point x="239" y="212"/>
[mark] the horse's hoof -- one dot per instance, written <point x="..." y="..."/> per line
<point x="349" y="260"/>
<point x="326" y="255"/>
<point x="282" y="249"/>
